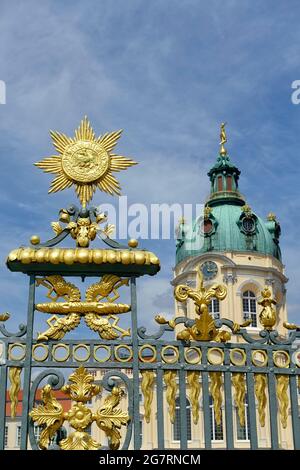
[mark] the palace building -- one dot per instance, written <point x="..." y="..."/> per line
<point x="231" y="244"/>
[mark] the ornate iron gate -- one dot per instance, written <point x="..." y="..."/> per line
<point x="260" y="368"/>
<point x="210" y="369"/>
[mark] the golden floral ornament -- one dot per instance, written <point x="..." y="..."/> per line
<point x="246" y="209"/>
<point x="85" y="161"/>
<point x="82" y="387"/>
<point x="207" y="212"/>
<point x="79" y="416"/>
<point x="108" y="417"/>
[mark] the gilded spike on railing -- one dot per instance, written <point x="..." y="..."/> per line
<point x="170" y="381"/>
<point x="15" y="385"/>
<point x="260" y="393"/>
<point x="147" y="386"/>
<point x="238" y="380"/>
<point x="216" y="393"/>
<point x="193" y="380"/>
<point x="282" y="398"/>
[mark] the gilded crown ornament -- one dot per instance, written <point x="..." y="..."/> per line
<point x="203" y="328"/>
<point x="86" y="162"/>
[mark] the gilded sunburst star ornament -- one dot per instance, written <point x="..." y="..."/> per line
<point x="85" y="161"/>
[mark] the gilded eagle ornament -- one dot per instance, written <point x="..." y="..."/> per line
<point x="86" y="162"/>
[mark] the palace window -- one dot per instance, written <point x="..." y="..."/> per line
<point x="18" y="436"/>
<point x="37" y="432"/>
<point x="242" y="432"/>
<point x="177" y="424"/>
<point x="6" y="436"/>
<point x="141" y="432"/>
<point x="229" y="183"/>
<point x="216" y="430"/>
<point x="249" y="307"/>
<point x="220" y="183"/>
<point x="214" y="308"/>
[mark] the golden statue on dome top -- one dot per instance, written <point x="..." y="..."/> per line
<point x="223" y="138"/>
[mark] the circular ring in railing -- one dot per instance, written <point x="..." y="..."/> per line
<point x="296" y="358"/>
<point x="242" y="357"/>
<point x="120" y="358"/>
<point x="211" y="356"/>
<point x="170" y="358"/>
<point x="60" y="346"/>
<point x="105" y="348"/>
<point x="281" y="359"/>
<point x="147" y="358"/>
<point x="84" y="347"/>
<point x="195" y="354"/>
<point x="260" y="361"/>
<point x="22" y="353"/>
<point x="44" y="351"/>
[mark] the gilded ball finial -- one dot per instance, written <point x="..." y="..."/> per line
<point x="35" y="240"/>
<point x="133" y="243"/>
<point x="64" y="216"/>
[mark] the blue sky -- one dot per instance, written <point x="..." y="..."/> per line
<point x="167" y="72"/>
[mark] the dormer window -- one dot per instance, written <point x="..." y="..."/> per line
<point x="248" y="225"/>
<point x="207" y="226"/>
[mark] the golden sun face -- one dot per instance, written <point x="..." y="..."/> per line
<point x="85" y="161"/>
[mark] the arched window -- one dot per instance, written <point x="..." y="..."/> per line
<point x="216" y="430"/>
<point x="177" y="424"/>
<point x="214" y="308"/>
<point x="249" y="307"/>
<point x="242" y="432"/>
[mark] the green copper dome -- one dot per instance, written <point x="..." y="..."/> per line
<point x="228" y="223"/>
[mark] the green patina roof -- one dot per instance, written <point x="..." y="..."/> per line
<point x="228" y="236"/>
<point x="227" y="212"/>
<point x="223" y="162"/>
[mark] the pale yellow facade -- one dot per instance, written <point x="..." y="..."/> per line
<point x="240" y="272"/>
